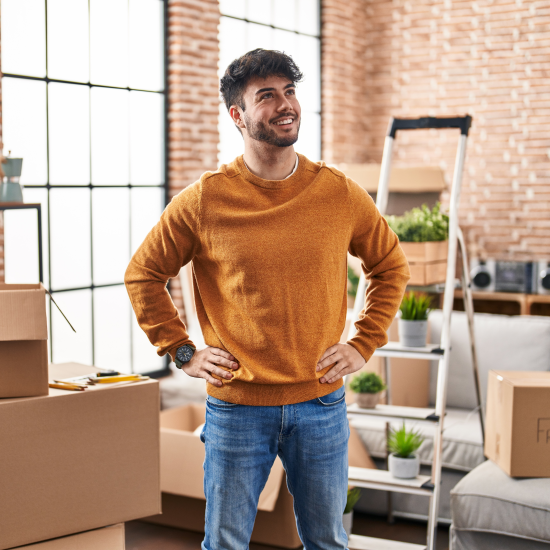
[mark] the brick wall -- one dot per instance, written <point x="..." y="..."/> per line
<point x="192" y="95"/>
<point x="489" y="58"/>
<point x="1" y="214"/>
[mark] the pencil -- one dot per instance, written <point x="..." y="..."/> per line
<point x="125" y="378"/>
<point x="66" y="387"/>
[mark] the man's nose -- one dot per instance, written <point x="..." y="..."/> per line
<point x="285" y="105"/>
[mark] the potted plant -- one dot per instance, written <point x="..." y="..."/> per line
<point x="423" y="235"/>
<point x="413" y="322"/>
<point x="353" y="496"/>
<point x="367" y="386"/>
<point x="402" y="444"/>
<point x="353" y="283"/>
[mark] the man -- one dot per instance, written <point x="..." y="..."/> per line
<point x="268" y="236"/>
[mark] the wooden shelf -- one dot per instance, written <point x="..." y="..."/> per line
<point x="525" y="301"/>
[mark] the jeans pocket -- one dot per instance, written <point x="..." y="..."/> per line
<point x="333" y="398"/>
<point x="218" y="403"/>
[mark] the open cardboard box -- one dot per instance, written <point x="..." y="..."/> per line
<point x="517" y="431"/>
<point x="75" y="461"/>
<point x="183" y="503"/>
<point x="23" y="341"/>
<point x="107" y="538"/>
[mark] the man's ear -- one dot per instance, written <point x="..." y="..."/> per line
<point x="235" y="112"/>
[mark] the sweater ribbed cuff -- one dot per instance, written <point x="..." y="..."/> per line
<point x="362" y="348"/>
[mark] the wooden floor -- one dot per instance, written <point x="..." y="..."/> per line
<point x="146" y="536"/>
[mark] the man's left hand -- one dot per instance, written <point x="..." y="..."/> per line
<point x="346" y="358"/>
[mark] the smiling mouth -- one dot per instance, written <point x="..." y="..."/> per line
<point x="284" y="122"/>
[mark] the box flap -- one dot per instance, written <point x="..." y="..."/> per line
<point x="524" y="378"/>
<point x="420" y="179"/>
<point x="23" y="312"/>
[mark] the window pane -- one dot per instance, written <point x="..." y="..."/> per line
<point x="259" y="37"/>
<point x="146" y="44"/>
<point x="285" y="41"/>
<point x="260" y="11"/>
<point x="21" y="246"/>
<point x="69" y="127"/>
<point x="24" y="126"/>
<point x="284" y="15"/>
<point x="146" y="138"/>
<point x="41" y="196"/>
<point x="24" y="37"/>
<point x="66" y="345"/>
<point x="232" y="41"/>
<point x="147" y="206"/>
<point x="109" y="136"/>
<point x="308" y="59"/>
<point x="70" y="238"/>
<point x="233" y="7"/>
<point x="68" y="25"/>
<point x="109" y="42"/>
<point x="111" y="234"/>
<point x="308" y="16"/>
<point x="231" y="144"/>
<point x="112" y="329"/>
<point x="309" y="142"/>
<point x="145" y="356"/>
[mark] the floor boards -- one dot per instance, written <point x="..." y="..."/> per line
<point x="146" y="536"/>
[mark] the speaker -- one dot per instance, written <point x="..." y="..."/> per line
<point x="483" y="275"/>
<point x="542" y="277"/>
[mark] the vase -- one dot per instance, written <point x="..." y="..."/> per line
<point x="347" y="520"/>
<point x="11" y="192"/>
<point x="404" y="468"/>
<point x="367" y="400"/>
<point x="412" y="333"/>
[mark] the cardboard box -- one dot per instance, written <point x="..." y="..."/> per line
<point x="428" y="274"/>
<point x="432" y="251"/>
<point x="182" y="475"/>
<point x="517" y="430"/>
<point x="23" y="341"/>
<point x="108" y="538"/>
<point x="75" y="461"/>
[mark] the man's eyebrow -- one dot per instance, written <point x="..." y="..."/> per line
<point x="261" y="90"/>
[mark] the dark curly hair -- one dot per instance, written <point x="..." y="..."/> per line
<point x="257" y="63"/>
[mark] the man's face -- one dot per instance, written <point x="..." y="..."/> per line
<point x="272" y="111"/>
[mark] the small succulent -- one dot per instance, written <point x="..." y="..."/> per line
<point x="403" y="443"/>
<point x="415" y="306"/>
<point x="353" y="496"/>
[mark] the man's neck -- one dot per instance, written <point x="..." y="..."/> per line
<point x="275" y="163"/>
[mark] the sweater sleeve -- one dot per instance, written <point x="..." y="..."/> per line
<point x="171" y="244"/>
<point x="385" y="267"/>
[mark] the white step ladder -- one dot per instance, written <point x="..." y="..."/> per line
<point x="429" y="486"/>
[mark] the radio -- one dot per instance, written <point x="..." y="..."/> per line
<point x="542" y="277"/>
<point x="511" y="276"/>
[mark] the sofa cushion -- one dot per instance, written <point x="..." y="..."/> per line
<point x="488" y="500"/>
<point x="462" y="445"/>
<point x="503" y="343"/>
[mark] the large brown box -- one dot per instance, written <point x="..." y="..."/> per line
<point x="517" y="433"/>
<point x="75" y="461"/>
<point x="183" y="503"/>
<point x="23" y="341"/>
<point x="107" y="538"/>
<point x="427" y="261"/>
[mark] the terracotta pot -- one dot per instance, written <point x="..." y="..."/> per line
<point x="367" y="400"/>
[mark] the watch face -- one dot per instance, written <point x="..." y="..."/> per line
<point x="185" y="354"/>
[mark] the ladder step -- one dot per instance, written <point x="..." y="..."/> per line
<point x="391" y="412"/>
<point x="395" y="349"/>
<point x="384" y="481"/>
<point x="357" y="542"/>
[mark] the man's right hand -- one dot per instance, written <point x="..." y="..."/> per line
<point x="205" y="363"/>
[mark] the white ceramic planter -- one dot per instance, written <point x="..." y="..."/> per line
<point x="347" y="520"/>
<point x="412" y="333"/>
<point x="367" y="400"/>
<point x="404" y="468"/>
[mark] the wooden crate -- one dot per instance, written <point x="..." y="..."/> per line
<point x="432" y="251"/>
<point x="428" y="273"/>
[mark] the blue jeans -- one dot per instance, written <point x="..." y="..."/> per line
<point x="242" y="442"/>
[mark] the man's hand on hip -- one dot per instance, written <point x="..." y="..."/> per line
<point x="347" y="360"/>
<point x="205" y="363"/>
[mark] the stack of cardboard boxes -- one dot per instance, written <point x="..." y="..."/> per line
<point x="74" y="465"/>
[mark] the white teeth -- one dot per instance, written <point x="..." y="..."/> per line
<point x="286" y="121"/>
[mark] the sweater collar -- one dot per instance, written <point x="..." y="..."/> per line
<point x="296" y="176"/>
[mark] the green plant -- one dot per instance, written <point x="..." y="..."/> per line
<point x="421" y="225"/>
<point x="353" y="496"/>
<point x="415" y="306"/>
<point x="353" y="279"/>
<point x="403" y="442"/>
<point x="367" y="382"/>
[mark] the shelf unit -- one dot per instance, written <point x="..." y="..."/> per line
<point x="428" y="486"/>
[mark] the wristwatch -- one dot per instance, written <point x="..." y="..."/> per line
<point x="184" y="355"/>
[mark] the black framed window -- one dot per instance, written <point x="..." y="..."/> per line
<point x="83" y="94"/>
<point x="292" y="26"/>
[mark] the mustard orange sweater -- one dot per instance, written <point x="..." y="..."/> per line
<point x="270" y="275"/>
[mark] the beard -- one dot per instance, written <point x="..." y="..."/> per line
<point x="261" y="132"/>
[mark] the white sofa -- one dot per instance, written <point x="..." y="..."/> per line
<point x="503" y="343"/>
